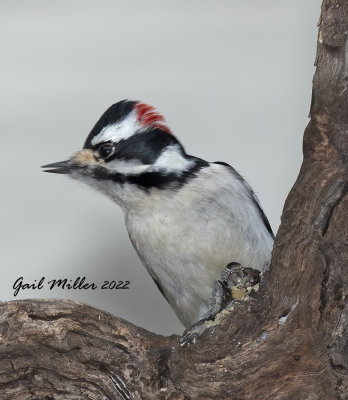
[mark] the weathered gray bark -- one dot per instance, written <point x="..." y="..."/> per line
<point x="290" y="341"/>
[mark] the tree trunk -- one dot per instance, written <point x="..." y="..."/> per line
<point x="288" y="341"/>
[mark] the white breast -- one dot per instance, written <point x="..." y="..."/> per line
<point x="185" y="237"/>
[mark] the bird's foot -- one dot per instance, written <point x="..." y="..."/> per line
<point x="191" y="334"/>
<point x="234" y="284"/>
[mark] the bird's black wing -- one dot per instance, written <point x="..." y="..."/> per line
<point x="253" y="196"/>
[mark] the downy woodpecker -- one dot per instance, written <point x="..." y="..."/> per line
<point x="186" y="218"/>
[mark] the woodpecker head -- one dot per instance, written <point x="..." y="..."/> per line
<point x="131" y="143"/>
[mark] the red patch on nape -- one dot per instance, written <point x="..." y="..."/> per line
<point x="148" y="116"/>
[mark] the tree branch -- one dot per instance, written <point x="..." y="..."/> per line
<point x="289" y="341"/>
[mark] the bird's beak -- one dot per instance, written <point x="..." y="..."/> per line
<point x="62" y="167"/>
<point x="80" y="160"/>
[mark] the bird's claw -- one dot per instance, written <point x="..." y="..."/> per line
<point x="233" y="285"/>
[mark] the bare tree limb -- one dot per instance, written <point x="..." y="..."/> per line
<point x="289" y="341"/>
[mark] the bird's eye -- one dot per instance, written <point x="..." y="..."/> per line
<point x="106" y="150"/>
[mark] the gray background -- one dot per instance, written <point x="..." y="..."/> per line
<point x="232" y="78"/>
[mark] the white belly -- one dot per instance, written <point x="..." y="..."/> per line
<point x="186" y="239"/>
<point x="182" y="261"/>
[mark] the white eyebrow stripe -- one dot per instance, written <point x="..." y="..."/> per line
<point x="118" y="131"/>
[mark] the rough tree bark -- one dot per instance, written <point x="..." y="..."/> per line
<point x="289" y="341"/>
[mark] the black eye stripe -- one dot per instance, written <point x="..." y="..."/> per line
<point x="144" y="147"/>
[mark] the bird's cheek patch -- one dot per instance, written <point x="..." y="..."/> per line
<point x="84" y="157"/>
